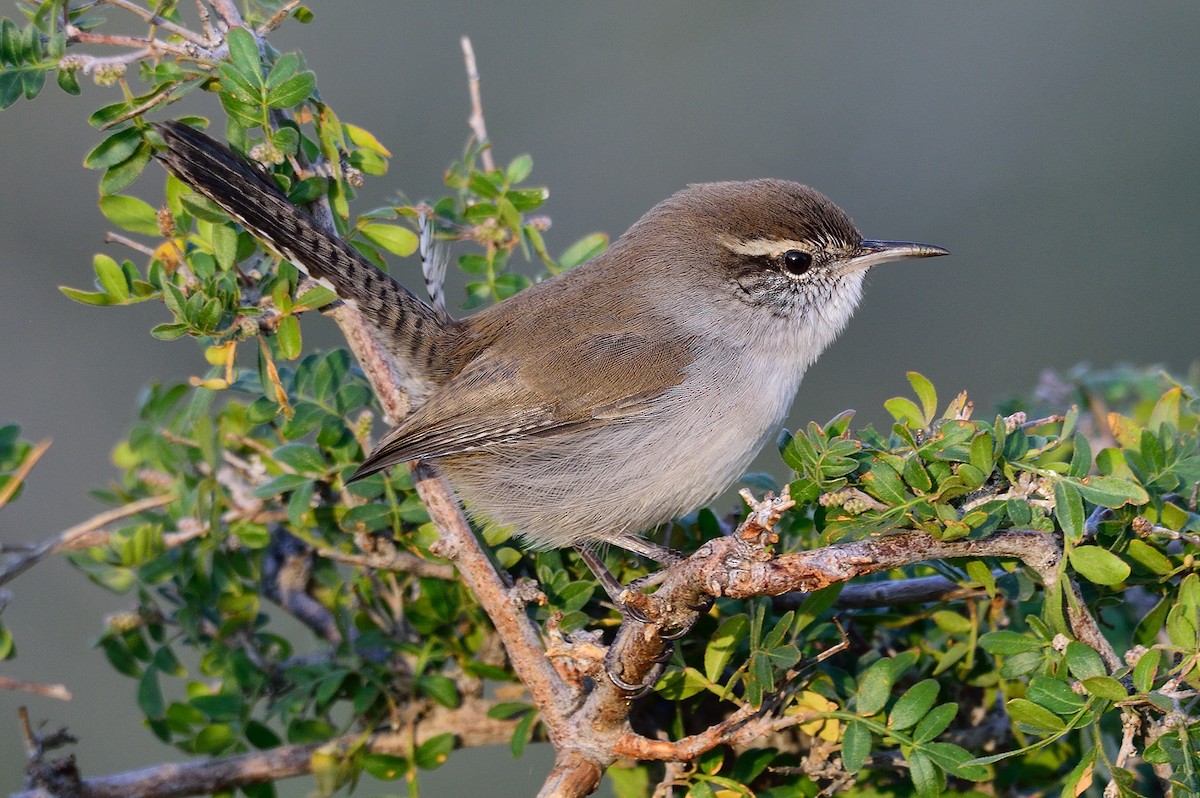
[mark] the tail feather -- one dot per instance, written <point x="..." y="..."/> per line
<point x="410" y="329"/>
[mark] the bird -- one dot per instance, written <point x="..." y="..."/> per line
<point x="596" y="405"/>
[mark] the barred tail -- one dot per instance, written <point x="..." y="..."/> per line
<point x="411" y="330"/>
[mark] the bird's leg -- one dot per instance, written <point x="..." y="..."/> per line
<point x="617" y="592"/>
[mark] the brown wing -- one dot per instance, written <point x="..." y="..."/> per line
<point x="562" y="387"/>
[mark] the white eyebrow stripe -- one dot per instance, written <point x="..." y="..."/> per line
<point x="757" y="247"/>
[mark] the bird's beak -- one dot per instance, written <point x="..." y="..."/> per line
<point x="873" y="253"/>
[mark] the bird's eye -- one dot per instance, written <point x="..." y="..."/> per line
<point x="796" y="261"/>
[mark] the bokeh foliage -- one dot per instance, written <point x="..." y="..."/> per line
<point x="261" y="529"/>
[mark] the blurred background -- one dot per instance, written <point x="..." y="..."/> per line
<point x="1052" y="148"/>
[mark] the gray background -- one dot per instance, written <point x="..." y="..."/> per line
<point x="1053" y="149"/>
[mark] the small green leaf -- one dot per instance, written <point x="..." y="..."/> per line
<point x="288" y="335"/>
<point x="1037" y="718"/>
<point x="905" y="411"/>
<point x="874" y="687"/>
<point x="925" y="776"/>
<point x="1146" y="669"/>
<point x="149" y="694"/>
<point x="724" y="642"/>
<point x="925" y="392"/>
<point x="395" y="239"/>
<point x="583" y="250"/>
<point x="1006" y="643"/>
<point x="519" y="169"/>
<point x="243" y="52"/>
<point x="1081" y="457"/>
<point x="1112" y="492"/>
<point x="1105" y="687"/>
<point x="934" y="723"/>
<point x="440" y="688"/>
<point x="1083" y="662"/>
<point x="1068" y="509"/>
<point x="856" y="746"/>
<point x="114" y="149"/>
<point x="1099" y="565"/>
<point x="130" y="213"/>
<point x="1149" y="557"/>
<point x="911" y="707"/>
<point x="1054" y="694"/>
<point x="120" y="175"/>
<point x="434" y="752"/>
<point x="292" y="91"/>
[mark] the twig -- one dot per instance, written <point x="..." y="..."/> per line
<point x="159" y="21"/>
<point x="58" y="691"/>
<point x="18" y="477"/>
<point x="469" y="723"/>
<point x="476" y="119"/>
<point x="136" y="246"/>
<point x="67" y="539"/>
<point x="396" y="561"/>
<point x="277" y="19"/>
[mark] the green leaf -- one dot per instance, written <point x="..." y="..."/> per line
<point x="395" y="239"/>
<point x="1081" y="457"/>
<point x="1112" y="492"/>
<point x="856" y="746"/>
<point x="292" y="91"/>
<point x="1146" y="670"/>
<point x="288" y="336"/>
<point x="935" y="722"/>
<point x="1054" y="694"/>
<point x="911" y="707"/>
<point x="385" y="766"/>
<point x="874" y="687"/>
<point x="440" y="688"/>
<point x="243" y="52"/>
<point x="884" y="483"/>
<point x="1099" y="565"/>
<point x="905" y="411"/>
<point x="723" y="644"/>
<point x="1083" y="662"/>
<point x="68" y="81"/>
<point x="1149" y="557"/>
<point x="433" y="752"/>
<point x="300" y="457"/>
<point x="114" y="149"/>
<point x="111" y="277"/>
<point x="1037" y="718"/>
<point x="121" y="175"/>
<point x="953" y="759"/>
<point x="1105" y="687"/>
<point x="925" y="776"/>
<point x="130" y="213"/>
<point x="926" y="393"/>
<point x="583" y="250"/>
<point x="519" y="169"/>
<point x="149" y="694"/>
<point x="1068" y="509"/>
<point x="1006" y="643"/>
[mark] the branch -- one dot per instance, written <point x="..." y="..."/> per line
<point x="469" y="723"/>
<point x="44" y="690"/>
<point x="76" y="536"/>
<point x="476" y="119"/>
<point x="733" y="567"/>
<point x="18" y="476"/>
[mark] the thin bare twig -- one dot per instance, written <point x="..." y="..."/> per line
<point x="277" y="19"/>
<point x="116" y="238"/>
<point x="476" y="119"/>
<point x="159" y="21"/>
<point x="397" y="561"/>
<point x="58" y="691"/>
<point x="65" y="540"/>
<point x="18" y="477"/>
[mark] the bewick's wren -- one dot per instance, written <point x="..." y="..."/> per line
<point x="600" y="403"/>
